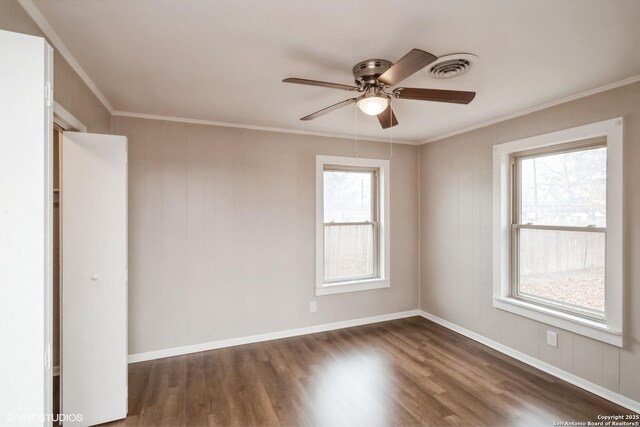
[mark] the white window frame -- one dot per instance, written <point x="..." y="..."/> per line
<point x="609" y="329"/>
<point x="383" y="248"/>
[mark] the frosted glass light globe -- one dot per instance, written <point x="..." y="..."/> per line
<point x="373" y="105"/>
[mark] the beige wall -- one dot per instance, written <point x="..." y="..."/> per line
<point x="456" y="240"/>
<point x="69" y="90"/>
<point x="221" y="233"/>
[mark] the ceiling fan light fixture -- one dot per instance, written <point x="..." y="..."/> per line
<point x="377" y="77"/>
<point x="374" y="104"/>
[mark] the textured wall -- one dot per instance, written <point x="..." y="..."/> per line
<point x="222" y="234"/>
<point x="69" y="90"/>
<point x="456" y="240"/>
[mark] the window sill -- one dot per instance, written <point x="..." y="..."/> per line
<point x="344" y="287"/>
<point x="589" y="328"/>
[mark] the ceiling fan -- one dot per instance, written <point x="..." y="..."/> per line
<point x="374" y="79"/>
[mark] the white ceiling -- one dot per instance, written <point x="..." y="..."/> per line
<point x="224" y="60"/>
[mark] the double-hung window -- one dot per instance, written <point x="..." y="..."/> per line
<point x="558" y="229"/>
<point x="352" y="224"/>
<point x="559" y="224"/>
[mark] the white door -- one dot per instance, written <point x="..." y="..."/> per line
<point x="94" y="277"/>
<point x="25" y="228"/>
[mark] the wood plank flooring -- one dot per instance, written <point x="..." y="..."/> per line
<point x="402" y="372"/>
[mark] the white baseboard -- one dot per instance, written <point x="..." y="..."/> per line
<point x="536" y="363"/>
<point x="195" y="348"/>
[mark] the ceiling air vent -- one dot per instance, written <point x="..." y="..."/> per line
<point x="450" y="66"/>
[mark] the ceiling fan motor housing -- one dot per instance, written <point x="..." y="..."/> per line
<point x="366" y="72"/>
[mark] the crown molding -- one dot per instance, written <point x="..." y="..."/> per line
<point x="252" y="127"/>
<point x="546" y="105"/>
<point x="57" y="43"/>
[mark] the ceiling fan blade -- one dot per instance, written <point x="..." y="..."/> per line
<point x="319" y="83"/>
<point x="387" y="118"/>
<point x="329" y="109"/>
<point x="437" y="95"/>
<point x="411" y="63"/>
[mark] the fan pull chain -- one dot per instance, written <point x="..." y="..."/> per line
<point x="355" y="110"/>
<point x="391" y="133"/>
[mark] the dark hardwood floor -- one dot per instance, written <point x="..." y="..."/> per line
<point x="403" y="372"/>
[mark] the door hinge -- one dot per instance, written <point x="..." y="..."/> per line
<point x="48" y="94"/>
<point x="47" y="357"/>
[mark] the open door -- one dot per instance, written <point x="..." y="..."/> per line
<point x="26" y="128"/>
<point x="94" y="277"/>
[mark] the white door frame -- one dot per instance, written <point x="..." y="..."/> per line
<point x="68" y="123"/>
<point x="66" y="120"/>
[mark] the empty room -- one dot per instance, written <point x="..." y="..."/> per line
<point x="327" y="213"/>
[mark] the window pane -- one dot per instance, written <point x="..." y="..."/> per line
<point x="564" y="266"/>
<point x="347" y="196"/>
<point x="348" y="251"/>
<point x="565" y="188"/>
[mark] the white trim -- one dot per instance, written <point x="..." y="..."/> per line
<point x="384" y="221"/>
<point x="48" y="229"/>
<point x="66" y="120"/>
<point x="231" y="342"/>
<point x="566" y="321"/>
<point x="529" y="360"/>
<point x="252" y="127"/>
<point x="55" y="40"/>
<point x="538" y="364"/>
<point x="57" y="43"/>
<point x="610" y="331"/>
<point x="360" y="285"/>
<point x="550" y="104"/>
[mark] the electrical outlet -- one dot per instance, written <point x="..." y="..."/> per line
<point x="313" y="307"/>
<point x="552" y="338"/>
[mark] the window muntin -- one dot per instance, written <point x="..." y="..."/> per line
<point x="351" y="227"/>
<point x="558" y="229"/>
